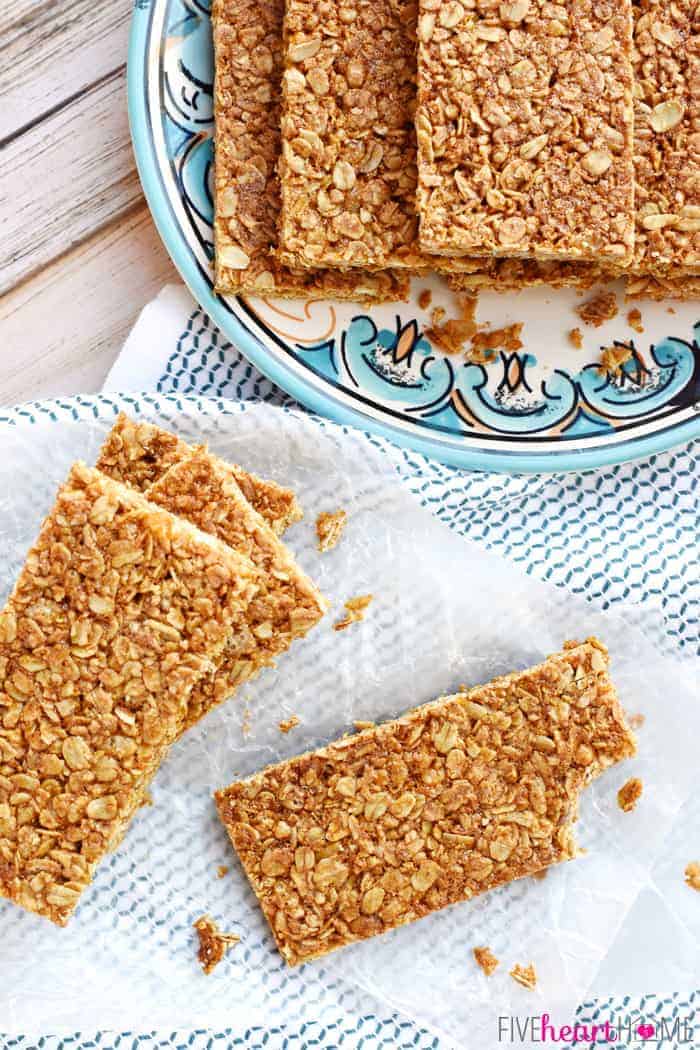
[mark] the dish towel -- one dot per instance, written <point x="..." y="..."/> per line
<point x="627" y="534"/>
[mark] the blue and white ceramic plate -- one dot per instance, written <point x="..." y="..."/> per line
<point x="546" y="407"/>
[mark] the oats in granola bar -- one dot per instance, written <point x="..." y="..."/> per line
<point x="329" y="529"/>
<point x="213" y="944"/>
<point x="119" y="610"/>
<point x="486" y="960"/>
<point x="451" y="800"/>
<point x="524" y="128"/>
<point x="629" y="794"/>
<point x="355" y="611"/>
<point x="525" y="976"/>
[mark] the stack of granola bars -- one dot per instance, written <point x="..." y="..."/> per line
<point x="157" y="585"/>
<point x="504" y="144"/>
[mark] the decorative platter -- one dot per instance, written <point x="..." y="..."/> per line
<point x="544" y="407"/>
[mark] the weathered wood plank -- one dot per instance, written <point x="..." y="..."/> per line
<point x="53" y="51"/>
<point x="62" y="329"/>
<point x="64" y="179"/>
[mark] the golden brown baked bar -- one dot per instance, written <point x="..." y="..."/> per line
<point x="640" y="286"/>
<point x="348" y="168"/>
<point x="512" y="275"/>
<point x="120" y="608"/>
<point x="139" y="454"/>
<point x="202" y="489"/>
<point x="524" y="127"/>
<point x="459" y="796"/>
<point x="248" y="49"/>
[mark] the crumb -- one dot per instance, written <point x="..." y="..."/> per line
<point x="147" y="799"/>
<point x="355" y="611"/>
<point x="629" y="795"/>
<point x="484" y="342"/>
<point x="540" y="875"/>
<point x="213" y="944"/>
<point x="596" y="311"/>
<point x="525" y="975"/>
<point x="222" y="871"/>
<point x="437" y="316"/>
<point x="246" y="724"/>
<point x="329" y="529"/>
<point x="425" y="299"/>
<point x="289" y="724"/>
<point x="576" y="338"/>
<point x="359" y="726"/>
<point x="636" y="721"/>
<point x="692" y="875"/>
<point x="613" y="358"/>
<point x="486" y="960"/>
<point x="670" y="310"/>
<point x="634" y="320"/>
<point x="452" y="335"/>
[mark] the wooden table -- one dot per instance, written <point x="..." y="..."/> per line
<point x="80" y="255"/>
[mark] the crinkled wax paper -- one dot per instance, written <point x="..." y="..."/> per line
<point x="444" y="613"/>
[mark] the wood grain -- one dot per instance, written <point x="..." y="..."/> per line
<point x="64" y="179"/>
<point x="62" y="330"/>
<point x="53" y="51"/>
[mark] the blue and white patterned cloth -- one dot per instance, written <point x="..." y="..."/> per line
<point x="626" y="534"/>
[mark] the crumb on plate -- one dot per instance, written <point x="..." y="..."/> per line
<point x="425" y="299"/>
<point x="289" y="724"/>
<point x="613" y="358"/>
<point x="329" y="529"/>
<point x="629" y="794"/>
<point x="222" y="871"/>
<point x="636" y="721"/>
<point x="486" y="960"/>
<point x="213" y="944"/>
<point x="596" y="311"/>
<point x="525" y="976"/>
<point x="576" y="338"/>
<point x="634" y="320"/>
<point x="692" y="875"/>
<point x="541" y="874"/>
<point x="437" y="316"/>
<point x="355" y="611"/>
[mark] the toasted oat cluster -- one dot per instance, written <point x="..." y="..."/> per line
<point x="355" y="609"/>
<point x="629" y="794"/>
<point x="397" y="821"/>
<point x="213" y="944"/>
<point x="247" y="96"/>
<point x="486" y="960"/>
<point x="203" y="489"/>
<point x="101" y="643"/>
<point x="524" y="128"/>
<point x="329" y="529"/>
<point x="600" y="308"/>
<point x="139" y="454"/>
<point x="525" y="976"/>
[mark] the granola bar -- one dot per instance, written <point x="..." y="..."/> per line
<point x="524" y="127"/>
<point x="139" y="454"/>
<point x="459" y="796"/>
<point x="100" y="645"/>
<point x="667" y="140"/>
<point x="248" y="49"/>
<point x="202" y="489"/>
<point x="348" y="168"/>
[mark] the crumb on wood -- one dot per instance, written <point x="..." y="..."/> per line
<point x="634" y="320"/>
<point x="576" y="338"/>
<point x="425" y="299"/>
<point x="289" y="724"/>
<point x="525" y="975"/>
<point x="222" y="871"/>
<point x="329" y="529"/>
<point x="596" y="311"/>
<point x="636" y="721"/>
<point x="360" y="725"/>
<point x="692" y="875"/>
<point x="486" y="960"/>
<point x="613" y="358"/>
<point x="213" y="944"/>
<point x="629" y="794"/>
<point x="355" y="611"/>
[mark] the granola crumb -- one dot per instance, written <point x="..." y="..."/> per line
<point x="541" y="874"/>
<point x="355" y="611"/>
<point x="246" y="724"/>
<point x="576" y="338"/>
<point x="596" y="311"/>
<point x="451" y="336"/>
<point x="213" y="944"/>
<point x="359" y="726"/>
<point x="613" y="358"/>
<point x="636" y="721"/>
<point x="329" y="529"/>
<point x="485" y="343"/>
<point x="425" y="299"/>
<point x="147" y="799"/>
<point x="670" y="310"/>
<point x="634" y="320"/>
<point x="629" y="794"/>
<point x="289" y="724"/>
<point x="486" y="960"/>
<point x="525" y="975"/>
<point x="222" y="871"/>
<point x="437" y="316"/>
<point x="692" y="875"/>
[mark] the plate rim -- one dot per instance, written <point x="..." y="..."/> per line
<point x="484" y="459"/>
